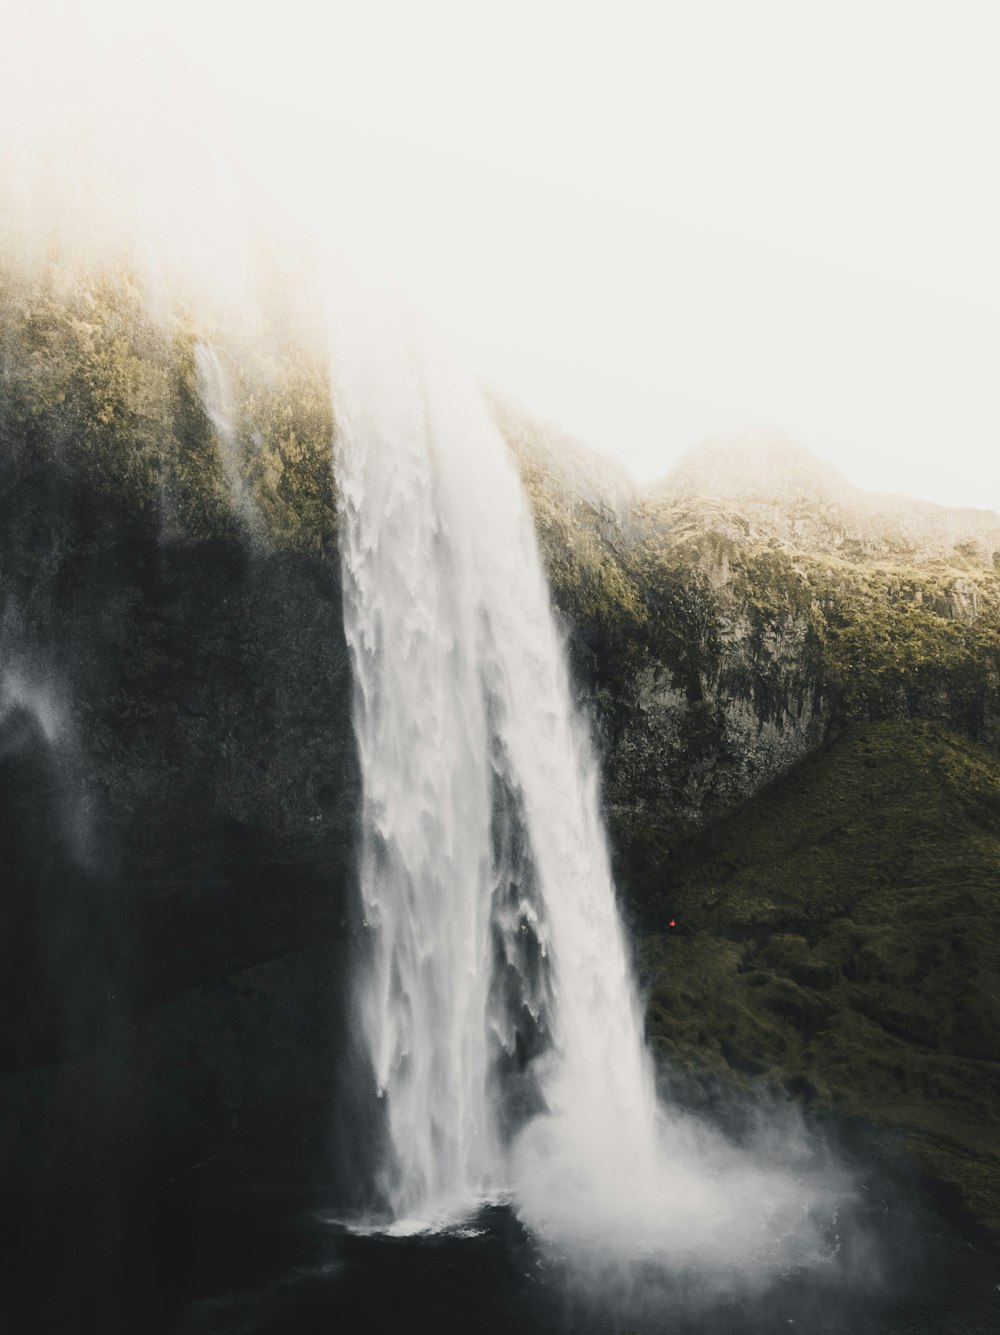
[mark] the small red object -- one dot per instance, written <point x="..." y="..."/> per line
<point x="672" y="922"/>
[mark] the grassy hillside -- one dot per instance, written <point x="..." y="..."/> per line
<point x="839" y="935"/>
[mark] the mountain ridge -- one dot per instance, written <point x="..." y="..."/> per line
<point x="788" y="492"/>
<point x="764" y="487"/>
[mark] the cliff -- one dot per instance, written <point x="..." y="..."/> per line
<point x="729" y="618"/>
<point x="794" y="688"/>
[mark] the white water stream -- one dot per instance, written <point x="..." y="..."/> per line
<point x="498" y="1004"/>
<point x="215" y="392"/>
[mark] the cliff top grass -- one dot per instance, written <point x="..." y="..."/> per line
<point x="97" y="378"/>
<point x="839" y="936"/>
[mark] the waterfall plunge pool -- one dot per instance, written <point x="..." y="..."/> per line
<point x="239" y="1249"/>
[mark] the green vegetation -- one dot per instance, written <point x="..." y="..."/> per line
<point x="879" y="640"/>
<point x="588" y="577"/>
<point x="839" y="936"/>
<point x="691" y="590"/>
<point x="909" y="639"/>
<point x="96" y="383"/>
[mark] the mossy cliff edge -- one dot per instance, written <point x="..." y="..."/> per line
<point x="794" y="689"/>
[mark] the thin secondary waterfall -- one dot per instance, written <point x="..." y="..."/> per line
<point x="216" y="394"/>
<point x="497" y="1003"/>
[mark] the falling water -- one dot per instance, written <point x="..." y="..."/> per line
<point x="498" y="1005"/>
<point x="215" y="392"/>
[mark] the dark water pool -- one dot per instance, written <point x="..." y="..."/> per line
<point x="239" y="1257"/>
<point x="246" y="1245"/>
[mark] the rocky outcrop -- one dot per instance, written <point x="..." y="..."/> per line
<point x="726" y="621"/>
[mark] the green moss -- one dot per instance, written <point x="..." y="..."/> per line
<point x="92" y="380"/>
<point x="839" y="936"/>
<point x="682" y="621"/>
<point x="586" y="574"/>
<point x="895" y="640"/>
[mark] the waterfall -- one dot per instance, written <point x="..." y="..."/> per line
<point x="497" y="1001"/>
<point x="215" y="392"/>
<point x="412" y="618"/>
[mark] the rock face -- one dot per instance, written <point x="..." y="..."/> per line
<point x="177" y="772"/>
<point x="177" y="767"/>
<point x="178" y="785"/>
<point x="726" y="620"/>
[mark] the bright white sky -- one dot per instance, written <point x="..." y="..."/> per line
<point x="656" y="222"/>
